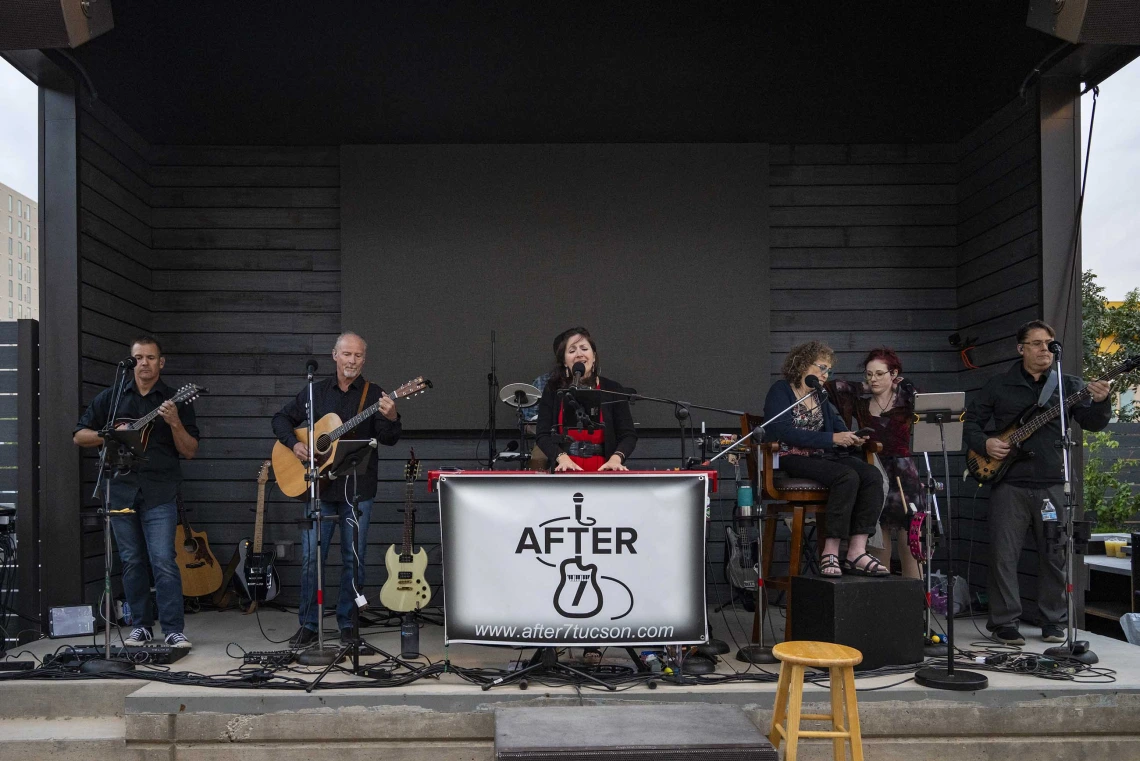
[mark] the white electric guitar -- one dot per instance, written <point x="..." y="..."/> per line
<point x="406" y="589"/>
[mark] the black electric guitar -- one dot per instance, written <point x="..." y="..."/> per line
<point x="740" y="567"/>
<point x="986" y="469"/>
<point x="255" y="570"/>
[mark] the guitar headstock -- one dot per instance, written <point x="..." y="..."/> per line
<point x="415" y="386"/>
<point x="412" y="468"/>
<point x="188" y="393"/>
<point x="1130" y="364"/>
<point x="263" y="474"/>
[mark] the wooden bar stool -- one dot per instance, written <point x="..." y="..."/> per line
<point x="840" y="660"/>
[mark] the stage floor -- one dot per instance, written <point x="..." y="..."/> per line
<point x="219" y="635"/>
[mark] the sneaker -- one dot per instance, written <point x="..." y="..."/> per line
<point x="1053" y="633"/>
<point x="1008" y="635"/>
<point x="303" y="638"/>
<point x="178" y="639"/>
<point x="140" y="635"/>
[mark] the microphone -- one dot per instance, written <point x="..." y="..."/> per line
<point x="129" y="362"/>
<point x="311" y="368"/>
<point x="579" y="370"/>
<point x="813" y="382"/>
<point x="1055" y="348"/>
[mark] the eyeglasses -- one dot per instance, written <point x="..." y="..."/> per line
<point x="1036" y="344"/>
<point x="876" y="374"/>
<point x="822" y="368"/>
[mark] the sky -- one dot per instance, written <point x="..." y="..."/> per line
<point x="1110" y="230"/>
<point x="19" y="141"/>
<point x="1111" y="226"/>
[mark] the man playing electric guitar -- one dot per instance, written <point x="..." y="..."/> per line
<point x="1034" y="476"/>
<point x="151" y="489"/>
<point x="342" y="395"/>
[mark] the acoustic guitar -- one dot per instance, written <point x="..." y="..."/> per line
<point x="255" y="570"/>
<point x="290" y="472"/>
<point x="986" y="469"/>
<point x="406" y="589"/>
<point x="200" y="571"/>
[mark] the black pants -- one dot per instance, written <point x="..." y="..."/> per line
<point x="855" y="491"/>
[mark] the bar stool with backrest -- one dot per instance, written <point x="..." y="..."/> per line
<point x="785" y="496"/>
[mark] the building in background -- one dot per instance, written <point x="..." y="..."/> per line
<point x="19" y="255"/>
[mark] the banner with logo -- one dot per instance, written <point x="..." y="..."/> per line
<point x="581" y="559"/>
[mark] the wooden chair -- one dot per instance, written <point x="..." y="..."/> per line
<point x="840" y="661"/>
<point x="784" y="496"/>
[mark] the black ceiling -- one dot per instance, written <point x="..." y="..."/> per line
<point x="329" y="72"/>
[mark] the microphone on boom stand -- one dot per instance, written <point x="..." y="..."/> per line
<point x="812" y="382"/>
<point x="1055" y="348"/>
<point x="129" y="362"/>
<point x="310" y="369"/>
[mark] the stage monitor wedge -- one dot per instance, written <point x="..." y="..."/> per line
<point x="39" y="24"/>
<point x="1100" y="22"/>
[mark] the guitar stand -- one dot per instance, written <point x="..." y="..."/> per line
<point x="545" y="662"/>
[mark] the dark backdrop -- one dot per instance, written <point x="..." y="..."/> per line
<point x="660" y="250"/>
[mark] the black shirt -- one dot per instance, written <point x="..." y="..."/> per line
<point x="620" y="434"/>
<point x="1002" y="401"/>
<point x="154" y="482"/>
<point x="327" y="397"/>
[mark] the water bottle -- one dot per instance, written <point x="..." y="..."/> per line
<point x="409" y="637"/>
<point x="744" y="500"/>
<point x="1048" y="511"/>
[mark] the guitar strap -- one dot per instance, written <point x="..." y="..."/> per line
<point x="1051" y="384"/>
<point x="363" y="396"/>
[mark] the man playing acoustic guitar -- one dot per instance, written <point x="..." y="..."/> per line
<point x="346" y="395"/>
<point x="151" y="490"/>
<point x="1034" y="475"/>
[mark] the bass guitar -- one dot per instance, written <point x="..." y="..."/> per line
<point x="200" y="571"/>
<point x="986" y="469"/>
<point x="143" y="425"/>
<point x="406" y="589"/>
<point x="255" y="571"/>
<point x="290" y="472"/>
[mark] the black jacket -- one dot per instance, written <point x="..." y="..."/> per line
<point x="780" y="397"/>
<point x="620" y="435"/>
<point x="1003" y="400"/>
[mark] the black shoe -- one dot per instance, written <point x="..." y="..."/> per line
<point x="1008" y="635"/>
<point x="346" y="636"/>
<point x="1053" y="633"/>
<point x="303" y="638"/>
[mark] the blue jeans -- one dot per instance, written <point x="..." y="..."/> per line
<point x="329" y="510"/>
<point x="149" y="534"/>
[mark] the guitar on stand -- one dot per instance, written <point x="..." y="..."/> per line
<point x="406" y="589"/>
<point x="200" y="571"/>
<point x="255" y="571"/>
<point x="290" y="472"/>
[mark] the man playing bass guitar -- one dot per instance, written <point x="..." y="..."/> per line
<point x="346" y="394"/>
<point x="1033" y="475"/>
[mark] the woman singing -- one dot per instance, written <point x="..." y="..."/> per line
<point x="885" y="403"/>
<point x="813" y="444"/>
<point x="584" y="431"/>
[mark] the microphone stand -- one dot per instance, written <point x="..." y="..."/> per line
<point x="319" y="655"/>
<point x="931" y="649"/>
<point x="492" y="400"/>
<point x="1077" y="650"/>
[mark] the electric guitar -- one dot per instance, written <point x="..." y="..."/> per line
<point x="143" y="425"/>
<point x="200" y="571"/>
<point x="406" y="589"/>
<point x="986" y="469"/>
<point x="255" y="571"/>
<point x="290" y="472"/>
<point x="740" y="567"/>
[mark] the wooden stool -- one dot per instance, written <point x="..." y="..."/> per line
<point x="840" y="660"/>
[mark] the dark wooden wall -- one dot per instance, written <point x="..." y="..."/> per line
<point x="998" y="277"/>
<point x="115" y="274"/>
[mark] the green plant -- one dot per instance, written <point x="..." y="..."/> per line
<point x="1119" y="326"/>
<point x="1112" y="499"/>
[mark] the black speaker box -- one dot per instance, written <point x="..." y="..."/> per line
<point x="881" y="618"/>
<point x="1104" y="22"/>
<point x="37" y="24"/>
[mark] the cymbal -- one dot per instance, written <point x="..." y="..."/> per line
<point x="520" y="394"/>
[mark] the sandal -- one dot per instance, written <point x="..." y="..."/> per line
<point x="871" y="568"/>
<point x="829" y="566"/>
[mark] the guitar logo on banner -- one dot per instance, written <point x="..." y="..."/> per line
<point x="578" y="593"/>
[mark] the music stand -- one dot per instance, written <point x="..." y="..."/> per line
<point x="938" y="427"/>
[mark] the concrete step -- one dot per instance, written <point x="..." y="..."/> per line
<point x="58" y="699"/>
<point x="74" y="739"/>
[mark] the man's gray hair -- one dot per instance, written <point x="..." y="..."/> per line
<point x="348" y="334"/>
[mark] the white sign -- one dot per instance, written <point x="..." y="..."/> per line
<point x="581" y="559"/>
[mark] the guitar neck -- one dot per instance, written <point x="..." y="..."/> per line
<point x="1038" y="421"/>
<point x="365" y="413"/>
<point x="259" y="524"/>
<point x="409" y="517"/>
